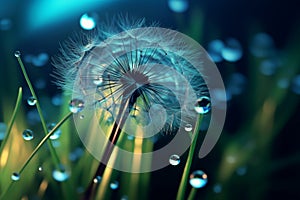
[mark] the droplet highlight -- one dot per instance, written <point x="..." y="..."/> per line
<point x="28" y="134"/>
<point x="188" y="127"/>
<point x="203" y="105"/>
<point x="88" y="21"/>
<point x="31" y="101"/>
<point x="17" y="54"/>
<point x="97" y="179"/>
<point x="15" y="176"/>
<point x="198" y="179"/>
<point x="174" y="159"/>
<point x="76" y="105"/>
<point x="60" y="175"/>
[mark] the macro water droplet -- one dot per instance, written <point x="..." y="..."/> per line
<point x="114" y="185"/>
<point x="214" y="50"/>
<point x="31" y="101"/>
<point x="40" y="168"/>
<point x="17" y="54"/>
<point x="174" y="159"/>
<point x="15" y="176"/>
<point x="28" y="134"/>
<point x="178" y="6"/>
<point x="3" y="128"/>
<point x="97" y="179"/>
<point x="97" y="80"/>
<point x="188" y="127"/>
<point x="203" y="105"/>
<point x="198" y="179"/>
<point x="56" y="133"/>
<point x="88" y="21"/>
<point x="60" y="175"/>
<point x="232" y="51"/>
<point x="81" y="116"/>
<point x="76" y="105"/>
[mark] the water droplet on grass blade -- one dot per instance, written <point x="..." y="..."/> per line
<point x="56" y="133"/>
<point x="203" y="105"/>
<point x="76" y="105"/>
<point x="198" y="179"/>
<point x="188" y="127"/>
<point x="17" y="54"/>
<point x="28" y="134"/>
<point x="31" y="101"/>
<point x="15" y="176"/>
<point x="174" y="159"/>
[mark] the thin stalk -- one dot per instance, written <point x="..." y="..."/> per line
<point x="186" y="171"/>
<point x="12" y="119"/>
<point x="52" y="150"/>
<point x="37" y="149"/>
<point x="192" y="194"/>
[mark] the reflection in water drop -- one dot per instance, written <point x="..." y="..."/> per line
<point x="203" y="105"/>
<point x="232" y="51"/>
<point x="178" y="6"/>
<point x="76" y="105"/>
<point x="174" y="159"/>
<point x="56" y="133"/>
<point x="27" y="134"/>
<point x="31" y="101"/>
<point x="17" y="54"/>
<point x="198" y="179"/>
<point x="188" y="127"/>
<point x="15" y="176"/>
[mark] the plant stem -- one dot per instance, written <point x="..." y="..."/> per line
<point x="192" y="194"/>
<point x="52" y="150"/>
<point x="37" y="149"/>
<point x="186" y="171"/>
<point x="12" y="120"/>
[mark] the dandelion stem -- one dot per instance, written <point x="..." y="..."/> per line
<point x="12" y="120"/>
<point x="37" y="149"/>
<point x="52" y="150"/>
<point x="186" y="171"/>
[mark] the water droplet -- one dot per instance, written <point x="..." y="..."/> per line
<point x="76" y="105"/>
<point x="88" y="21"/>
<point x="203" y="105"/>
<point x="40" y="168"/>
<point x="31" y="101"/>
<point x="17" y="54"/>
<point x="28" y="134"/>
<point x="198" y="179"/>
<point x="188" y="127"/>
<point x="56" y="133"/>
<point x="214" y="50"/>
<point x="15" y="176"/>
<point x="5" y="24"/>
<point x="232" y="51"/>
<point x="296" y="84"/>
<point x="174" y="159"/>
<point x="81" y="116"/>
<point x="3" y="128"/>
<point x="114" y="185"/>
<point x="98" y="80"/>
<point x="97" y="179"/>
<point x="217" y="188"/>
<point x="262" y="45"/>
<point x="178" y="6"/>
<point x="60" y="175"/>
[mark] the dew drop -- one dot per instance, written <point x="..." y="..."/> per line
<point x="88" y="21"/>
<point x="98" y="80"/>
<point x="232" y="51"/>
<point x="81" y="116"/>
<point x="76" y="105"/>
<point x="188" y="127"/>
<point x="3" y="128"/>
<point x="203" y="105"/>
<point x="40" y="168"/>
<point x="198" y="179"/>
<point x="31" y="101"/>
<point x="178" y="6"/>
<point x="17" y="54"/>
<point x="28" y="134"/>
<point x="56" y="133"/>
<point x="114" y="185"/>
<point x="174" y="159"/>
<point x="97" y="179"/>
<point x="15" y="176"/>
<point x="60" y="175"/>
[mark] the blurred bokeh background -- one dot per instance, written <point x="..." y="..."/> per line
<point x="255" y="45"/>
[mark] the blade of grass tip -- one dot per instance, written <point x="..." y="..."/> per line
<point x="192" y="194"/>
<point x="52" y="150"/>
<point x="37" y="149"/>
<point x="12" y="120"/>
<point x="186" y="171"/>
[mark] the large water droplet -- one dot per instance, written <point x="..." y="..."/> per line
<point x="174" y="159"/>
<point x="188" y="127"/>
<point x="60" y="175"/>
<point x="198" y="179"/>
<point x="203" y="105"/>
<point x="31" y="101"/>
<point x="28" y="134"/>
<point x="17" y="54"/>
<point x="56" y="133"/>
<point x="232" y="51"/>
<point x="76" y="105"/>
<point x="114" y="185"/>
<point x="178" y="6"/>
<point x="97" y="179"/>
<point x="88" y="21"/>
<point x="3" y="128"/>
<point x="15" y="176"/>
